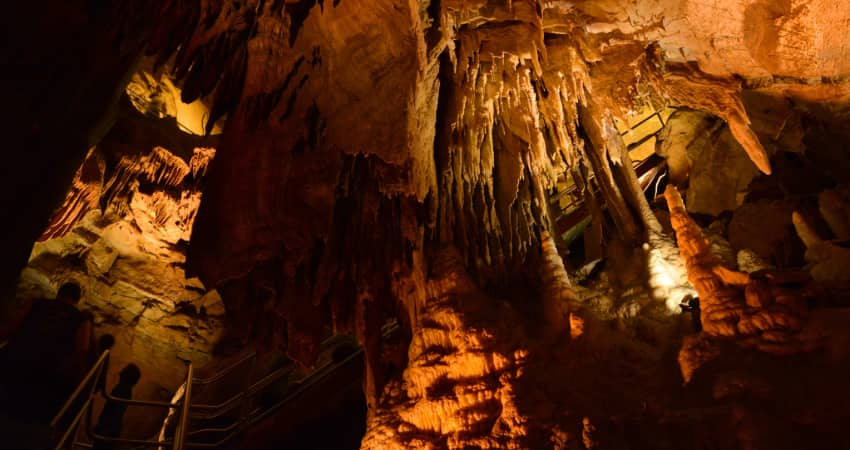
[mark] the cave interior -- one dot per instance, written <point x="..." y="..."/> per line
<point x="441" y="224"/>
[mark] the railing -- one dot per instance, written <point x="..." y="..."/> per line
<point x="249" y="415"/>
<point x="95" y="377"/>
<point x="655" y="113"/>
<point x="180" y="432"/>
<point x="571" y="214"/>
<point x="94" y="380"/>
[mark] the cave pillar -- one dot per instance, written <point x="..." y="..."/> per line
<point x="590" y="115"/>
<point x="612" y="153"/>
<point x="367" y="319"/>
<point x="667" y="276"/>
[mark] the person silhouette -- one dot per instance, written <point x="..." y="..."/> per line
<point x="47" y="355"/>
<point x="105" y="342"/>
<point x="111" y="419"/>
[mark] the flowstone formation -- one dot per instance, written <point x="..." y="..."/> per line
<point x="459" y="387"/>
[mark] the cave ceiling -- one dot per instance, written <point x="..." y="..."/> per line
<point x="454" y="114"/>
<point x="406" y="126"/>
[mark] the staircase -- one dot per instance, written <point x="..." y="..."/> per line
<point x="567" y="205"/>
<point x="283" y="395"/>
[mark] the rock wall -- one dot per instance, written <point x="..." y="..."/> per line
<point x="122" y="234"/>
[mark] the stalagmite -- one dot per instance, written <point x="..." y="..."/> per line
<point x="827" y="260"/>
<point x="668" y="279"/>
<point x="561" y="308"/>
<point x="752" y="312"/>
<point x="458" y="387"/>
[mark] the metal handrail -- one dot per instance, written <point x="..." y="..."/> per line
<point x="180" y="432"/>
<point x="224" y="406"/>
<point x="263" y="382"/>
<point x="256" y="415"/>
<point x="646" y="119"/>
<point x="246" y="417"/>
<point x="250" y="391"/>
<point x="215" y="430"/>
<point x="270" y="378"/>
<point x="134" y="402"/>
<point x="250" y="415"/>
<point x="119" y="440"/>
<point x="96" y="370"/>
<point x="93" y="379"/>
<point x="175" y="399"/>
<point x="72" y="428"/>
<point x="323" y="372"/>
<point x="221" y="374"/>
<point x="320" y="374"/>
<point x="577" y="203"/>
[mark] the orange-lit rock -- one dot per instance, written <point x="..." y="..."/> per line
<point x="459" y="385"/>
<point x="753" y="312"/>
<point x="121" y="234"/>
<point x="827" y="260"/>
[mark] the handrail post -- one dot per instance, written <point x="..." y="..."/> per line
<point x="180" y="432"/>
<point x="73" y="430"/>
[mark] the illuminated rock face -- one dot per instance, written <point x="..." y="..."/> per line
<point x="121" y="234"/>
<point x="827" y="261"/>
<point x="459" y="387"/>
<point x="754" y="312"/>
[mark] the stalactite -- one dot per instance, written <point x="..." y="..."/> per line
<point x="82" y="197"/>
<point x="494" y="111"/>
<point x="112" y="188"/>
<point x="720" y="97"/>
<point x="612" y="168"/>
<point x="159" y="167"/>
<point x="599" y="161"/>
<point x="667" y="276"/>
<point x="365" y="145"/>
<point x="201" y="158"/>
